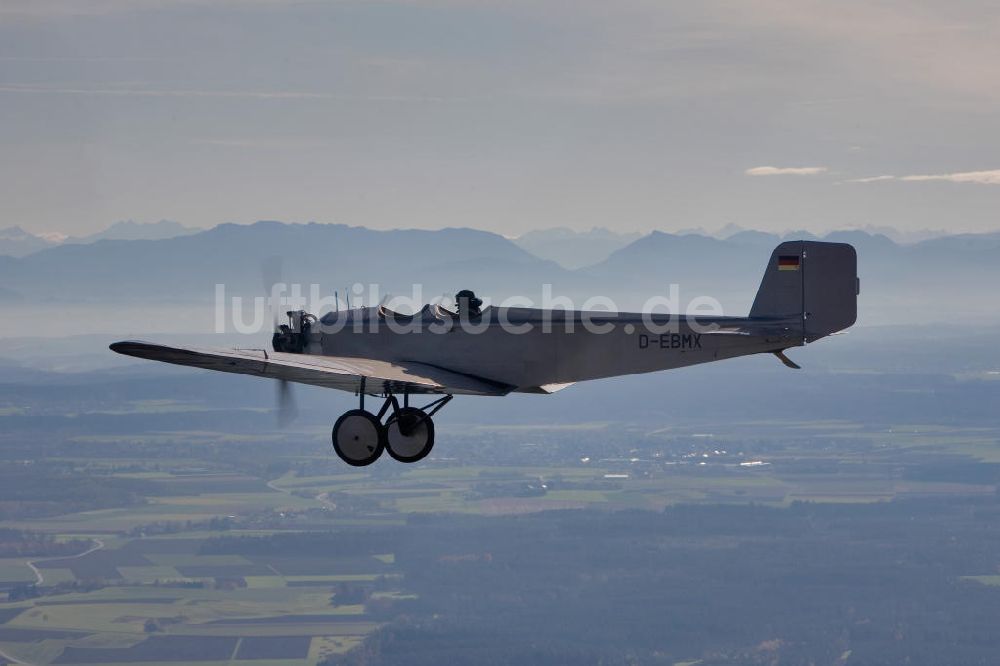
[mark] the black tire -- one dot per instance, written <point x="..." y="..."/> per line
<point x="349" y="435"/>
<point x="409" y="435"/>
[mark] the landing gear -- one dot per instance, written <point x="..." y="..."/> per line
<point x="409" y="435"/>
<point x="359" y="437"/>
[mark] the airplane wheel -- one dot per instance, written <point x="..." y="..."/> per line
<point x="409" y="435"/>
<point x="358" y="438"/>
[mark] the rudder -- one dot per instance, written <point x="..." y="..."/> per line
<point x="813" y="281"/>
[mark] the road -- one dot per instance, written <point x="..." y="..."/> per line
<point x="322" y="498"/>
<point x="13" y="660"/>
<point x="40" y="579"/>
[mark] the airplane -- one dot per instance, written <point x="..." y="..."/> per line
<point x="809" y="291"/>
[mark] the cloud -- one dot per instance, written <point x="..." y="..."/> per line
<point x="870" y="179"/>
<point x="991" y="177"/>
<point x="784" y="171"/>
<point x="234" y="94"/>
<point x="49" y="9"/>
<point x="950" y="46"/>
<point x="266" y="143"/>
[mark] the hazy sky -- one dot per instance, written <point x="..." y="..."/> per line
<point x="505" y="116"/>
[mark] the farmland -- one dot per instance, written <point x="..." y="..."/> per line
<point x="199" y="533"/>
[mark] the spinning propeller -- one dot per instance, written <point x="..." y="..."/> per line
<point x="284" y="398"/>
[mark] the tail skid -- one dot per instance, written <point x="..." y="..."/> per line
<point x="787" y="361"/>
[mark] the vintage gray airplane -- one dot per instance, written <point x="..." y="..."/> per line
<point x="809" y="291"/>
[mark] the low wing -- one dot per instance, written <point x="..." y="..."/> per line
<point x="347" y="374"/>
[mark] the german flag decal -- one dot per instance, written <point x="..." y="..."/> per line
<point x="788" y="262"/>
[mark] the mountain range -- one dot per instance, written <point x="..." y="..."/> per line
<point x="940" y="279"/>
<point x="574" y="249"/>
<point x="16" y="242"/>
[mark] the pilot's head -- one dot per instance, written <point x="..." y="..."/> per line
<point x="467" y="303"/>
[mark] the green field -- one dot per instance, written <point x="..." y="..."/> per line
<point x="156" y="585"/>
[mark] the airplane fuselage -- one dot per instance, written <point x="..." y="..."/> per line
<point x="538" y="350"/>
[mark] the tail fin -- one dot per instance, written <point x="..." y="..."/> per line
<point x="814" y="281"/>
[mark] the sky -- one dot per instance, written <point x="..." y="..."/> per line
<point x="507" y="116"/>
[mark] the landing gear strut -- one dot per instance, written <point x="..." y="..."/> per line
<point x="359" y="437"/>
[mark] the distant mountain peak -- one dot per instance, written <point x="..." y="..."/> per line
<point x="16" y="242"/>
<point x="13" y="233"/>
<point x="132" y="230"/>
<point x="571" y="248"/>
<point x="730" y="229"/>
<point x="53" y="236"/>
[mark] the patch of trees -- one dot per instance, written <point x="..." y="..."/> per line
<point x="22" y="591"/>
<point x="37" y="490"/>
<point x="349" y="594"/>
<point x="215" y="524"/>
<point x="724" y="584"/>
<point x="345" y="543"/>
<point x="22" y="543"/>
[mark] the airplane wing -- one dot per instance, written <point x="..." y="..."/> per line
<point x="347" y="374"/>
